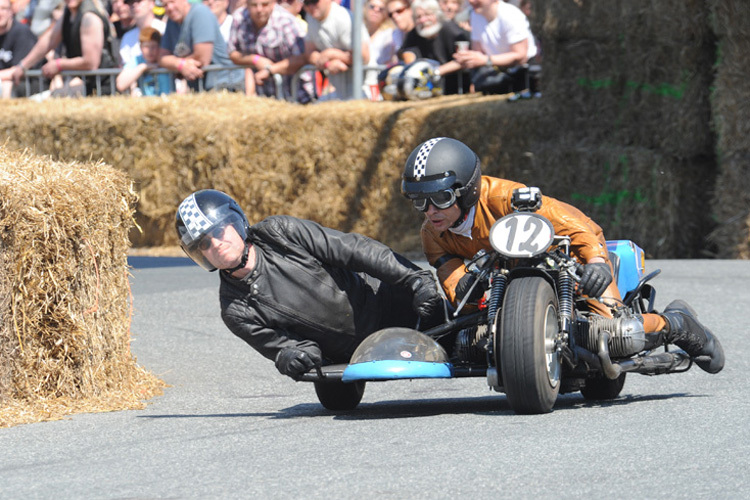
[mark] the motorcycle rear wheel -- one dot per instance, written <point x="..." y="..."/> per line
<point x="340" y="396"/>
<point x="602" y="388"/>
<point x="531" y="367"/>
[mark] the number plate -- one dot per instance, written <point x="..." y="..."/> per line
<point x="521" y="235"/>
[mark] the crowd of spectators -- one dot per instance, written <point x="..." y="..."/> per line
<point x="163" y="46"/>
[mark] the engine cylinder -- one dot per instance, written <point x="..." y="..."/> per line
<point x="626" y="335"/>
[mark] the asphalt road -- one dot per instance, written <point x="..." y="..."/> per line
<point x="229" y="426"/>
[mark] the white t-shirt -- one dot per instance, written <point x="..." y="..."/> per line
<point x="335" y="32"/>
<point x="509" y="27"/>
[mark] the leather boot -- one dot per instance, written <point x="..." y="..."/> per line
<point x="686" y="332"/>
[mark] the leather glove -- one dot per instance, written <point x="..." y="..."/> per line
<point x="294" y="361"/>
<point x="426" y="300"/>
<point x="463" y="285"/>
<point x="595" y="279"/>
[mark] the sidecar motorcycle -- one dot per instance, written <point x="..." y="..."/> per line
<point x="531" y="336"/>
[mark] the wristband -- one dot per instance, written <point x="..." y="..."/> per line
<point x="57" y="63"/>
<point x="489" y="62"/>
<point x="268" y="68"/>
<point x="325" y="64"/>
<point x="182" y="63"/>
<point x="255" y="59"/>
<point x="21" y="65"/>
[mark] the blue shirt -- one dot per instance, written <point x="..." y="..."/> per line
<point x="149" y="84"/>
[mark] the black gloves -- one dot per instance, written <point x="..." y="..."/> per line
<point x="595" y="279"/>
<point x="426" y="300"/>
<point x="463" y="285"/>
<point x="294" y="361"/>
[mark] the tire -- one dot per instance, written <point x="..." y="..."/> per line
<point x="602" y="388"/>
<point x="340" y="396"/>
<point x="530" y="366"/>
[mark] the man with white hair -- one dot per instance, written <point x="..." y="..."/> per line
<point x="434" y="37"/>
<point x="501" y="42"/>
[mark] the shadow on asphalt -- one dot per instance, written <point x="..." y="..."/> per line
<point x="487" y="405"/>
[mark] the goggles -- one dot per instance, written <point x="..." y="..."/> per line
<point x="216" y="233"/>
<point x="441" y="200"/>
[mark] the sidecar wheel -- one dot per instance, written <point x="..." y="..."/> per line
<point x="602" y="388"/>
<point x="530" y="364"/>
<point x="340" y="396"/>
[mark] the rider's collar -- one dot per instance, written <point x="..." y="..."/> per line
<point x="464" y="229"/>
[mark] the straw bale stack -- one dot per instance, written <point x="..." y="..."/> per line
<point x="65" y="303"/>
<point x="731" y="112"/>
<point x="631" y="72"/>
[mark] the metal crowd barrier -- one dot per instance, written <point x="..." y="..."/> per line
<point x="100" y="74"/>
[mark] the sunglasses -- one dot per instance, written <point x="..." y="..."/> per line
<point x="376" y="8"/>
<point x="216" y="233"/>
<point x="441" y="200"/>
<point x="310" y="2"/>
<point x="397" y="11"/>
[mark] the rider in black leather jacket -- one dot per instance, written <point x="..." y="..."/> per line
<point x="299" y="293"/>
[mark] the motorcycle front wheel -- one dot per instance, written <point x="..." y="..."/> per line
<point x="529" y="362"/>
<point x="340" y="396"/>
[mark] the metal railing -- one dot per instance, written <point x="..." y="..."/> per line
<point x="100" y="74"/>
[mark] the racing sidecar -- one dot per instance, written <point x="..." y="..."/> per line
<point x="532" y="336"/>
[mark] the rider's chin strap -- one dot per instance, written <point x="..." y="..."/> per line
<point x="243" y="261"/>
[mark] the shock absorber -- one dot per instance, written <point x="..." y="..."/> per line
<point x="565" y="290"/>
<point x="498" y="281"/>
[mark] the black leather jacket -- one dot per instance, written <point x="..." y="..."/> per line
<point x="313" y="284"/>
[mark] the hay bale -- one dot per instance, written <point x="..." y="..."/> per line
<point x="633" y="91"/>
<point x="731" y="117"/>
<point x="64" y="338"/>
<point x="634" y="193"/>
<point x="669" y="20"/>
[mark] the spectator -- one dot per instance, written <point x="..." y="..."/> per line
<point x="500" y="39"/>
<point x="294" y="7"/>
<point x="87" y="37"/>
<point x="16" y="41"/>
<point x="135" y="77"/>
<point x="143" y="14"/>
<point x="383" y="48"/>
<point x="328" y="46"/>
<point x="220" y="10"/>
<point x="122" y="17"/>
<point x="435" y="38"/>
<point x="265" y="36"/>
<point x="400" y="13"/>
<point x="192" y="41"/>
<point x="454" y="10"/>
<point x="44" y="16"/>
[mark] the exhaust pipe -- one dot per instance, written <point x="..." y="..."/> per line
<point x="654" y="364"/>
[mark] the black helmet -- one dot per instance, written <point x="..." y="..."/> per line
<point x="202" y="212"/>
<point x="443" y="168"/>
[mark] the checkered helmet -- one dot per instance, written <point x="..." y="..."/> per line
<point x="439" y="164"/>
<point x="202" y="212"/>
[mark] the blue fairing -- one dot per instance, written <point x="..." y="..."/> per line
<point x="632" y="264"/>
<point x="396" y="369"/>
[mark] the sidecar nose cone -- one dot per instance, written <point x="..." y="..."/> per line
<point x="398" y="353"/>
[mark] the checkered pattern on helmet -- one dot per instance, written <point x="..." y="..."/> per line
<point x="195" y="221"/>
<point x="420" y="162"/>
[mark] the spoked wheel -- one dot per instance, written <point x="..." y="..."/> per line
<point x="602" y="388"/>
<point x="340" y="396"/>
<point x="530" y="364"/>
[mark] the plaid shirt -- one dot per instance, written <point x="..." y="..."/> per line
<point x="279" y="39"/>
